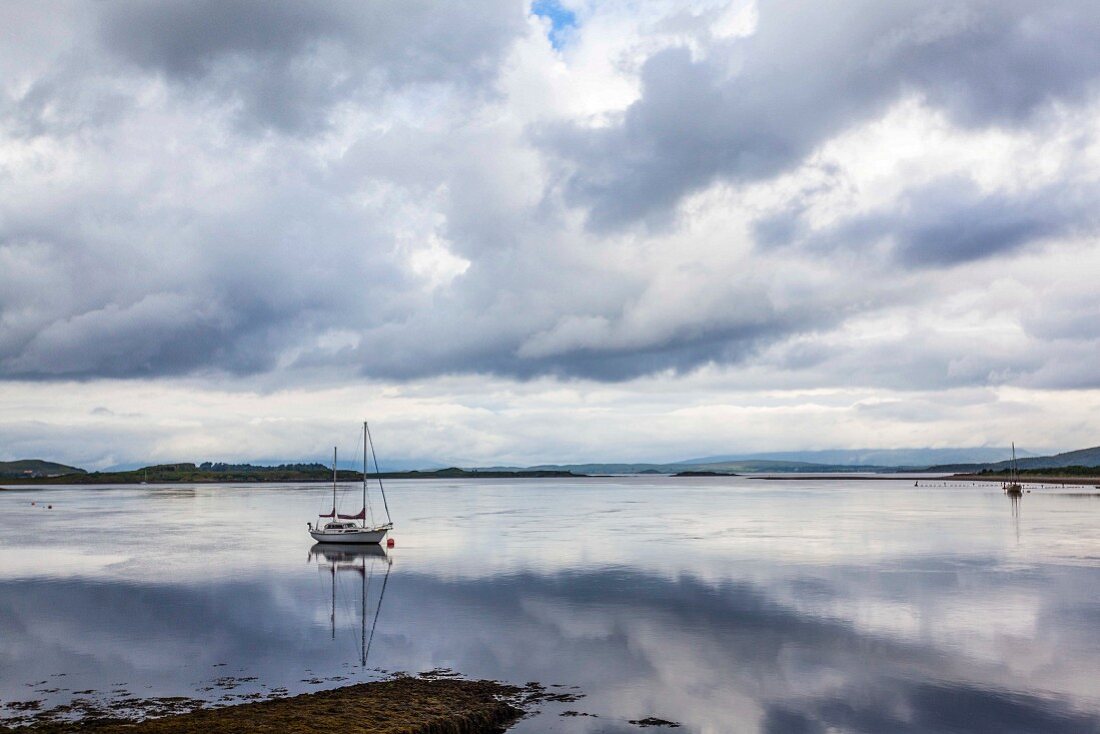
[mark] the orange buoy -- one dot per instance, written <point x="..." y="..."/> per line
<point x="389" y="543"/>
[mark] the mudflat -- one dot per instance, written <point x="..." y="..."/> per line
<point x="400" y="706"/>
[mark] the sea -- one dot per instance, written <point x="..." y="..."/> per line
<point x="702" y="604"/>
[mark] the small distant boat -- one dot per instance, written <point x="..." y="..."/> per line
<point x="343" y="528"/>
<point x="1013" y="488"/>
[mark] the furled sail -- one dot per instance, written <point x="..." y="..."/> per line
<point x="332" y="513"/>
<point x="361" y="515"/>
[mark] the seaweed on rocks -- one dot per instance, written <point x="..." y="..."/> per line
<point x="654" y="721"/>
<point x="403" y="705"/>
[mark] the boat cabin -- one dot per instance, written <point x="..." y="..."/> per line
<point x="344" y="526"/>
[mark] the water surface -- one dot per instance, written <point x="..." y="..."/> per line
<point x="725" y="604"/>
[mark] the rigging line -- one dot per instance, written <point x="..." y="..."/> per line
<point x="368" y="508"/>
<point x="366" y="586"/>
<point x="378" y="473"/>
<point x="363" y="620"/>
<point x="343" y="488"/>
<point x="368" y="511"/>
<point x="379" y="607"/>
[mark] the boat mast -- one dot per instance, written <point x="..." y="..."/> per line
<point x="1015" y="471"/>
<point x="363" y="616"/>
<point x="364" y="473"/>
<point x="334" y="484"/>
<point x="378" y="473"/>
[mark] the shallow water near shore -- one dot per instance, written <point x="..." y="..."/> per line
<point x="723" y="604"/>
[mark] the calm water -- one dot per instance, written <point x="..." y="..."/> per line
<point x="724" y="604"/>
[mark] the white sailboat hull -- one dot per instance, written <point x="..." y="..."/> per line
<point x="354" y="535"/>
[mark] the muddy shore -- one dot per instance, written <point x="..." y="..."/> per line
<point x="403" y="705"/>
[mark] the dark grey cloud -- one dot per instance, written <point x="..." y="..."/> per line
<point x="748" y="109"/>
<point x="952" y="221"/>
<point x="207" y="285"/>
<point x="287" y="64"/>
<point x="948" y="221"/>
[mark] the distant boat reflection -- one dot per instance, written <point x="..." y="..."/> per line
<point x="335" y="557"/>
<point x="1016" y="514"/>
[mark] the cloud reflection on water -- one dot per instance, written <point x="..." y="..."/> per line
<point x="713" y="655"/>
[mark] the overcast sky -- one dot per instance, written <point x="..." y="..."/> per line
<point x="578" y="230"/>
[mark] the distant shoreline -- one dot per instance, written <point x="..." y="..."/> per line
<point x="998" y="478"/>
<point x="344" y="476"/>
<point x="692" y="473"/>
<point x="1029" y="479"/>
<point x="273" y="477"/>
<point x="852" y="477"/>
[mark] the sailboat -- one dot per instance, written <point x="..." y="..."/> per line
<point x="343" y="528"/>
<point x="1013" y="488"/>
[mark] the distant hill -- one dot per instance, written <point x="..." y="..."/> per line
<point x="838" y="461"/>
<point x="206" y="472"/>
<point x="209" y="473"/>
<point x="766" y="466"/>
<point x="35" y="468"/>
<point x="1081" y="457"/>
<point x="185" y="472"/>
<point x="589" y="468"/>
<point x="909" y="458"/>
<point x="728" y="467"/>
<point x="455" y="473"/>
<point x="352" y="464"/>
<point x="825" y="461"/>
<point x="697" y="473"/>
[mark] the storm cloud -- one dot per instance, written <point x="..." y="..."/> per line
<point x="287" y="65"/>
<point x="948" y="221"/>
<point x="750" y="108"/>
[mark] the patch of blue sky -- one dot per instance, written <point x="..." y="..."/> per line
<point x="562" y="20"/>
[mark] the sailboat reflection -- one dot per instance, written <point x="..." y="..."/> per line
<point x="360" y="559"/>
<point x="1016" y="515"/>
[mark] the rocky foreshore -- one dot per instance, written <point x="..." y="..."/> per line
<point x="403" y="705"/>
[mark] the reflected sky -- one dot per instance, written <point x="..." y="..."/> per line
<point x="724" y="604"/>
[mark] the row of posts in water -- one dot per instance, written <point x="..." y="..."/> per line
<point x="1041" y="485"/>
